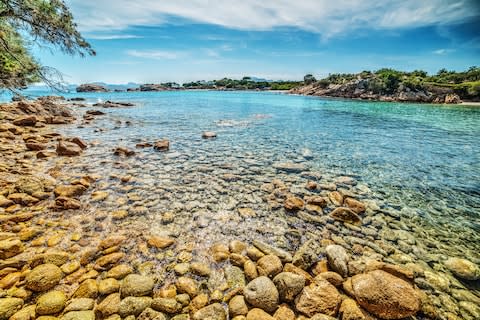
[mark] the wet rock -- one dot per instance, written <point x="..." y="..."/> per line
<point x="43" y="277"/>
<point x="10" y="248"/>
<point x="26" y="313"/>
<point x="309" y="253"/>
<point x="136" y="285"/>
<point x="134" y="305"/>
<point x="289" y="285"/>
<point x="167" y="305"/>
<point x="108" y="286"/>
<point x="268" y="249"/>
<point x="51" y="303"/>
<point x="258" y="314"/>
<point x="87" y="289"/>
<point x="110" y="305"/>
<point x="332" y="277"/>
<point x="345" y="215"/>
<point x="161" y="145"/>
<point x="66" y="203"/>
<point x="80" y="304"/>
<point x="349" y="310"/>
<point x="150" y="314"/>
<point x="212" y="312"/>
<point x="65" y="148"/>
<point x="120" y="151"/>
<point x="237" y="306"/>
<point x="269" y="265"/>
<point x="463" y="268"/>
<point x="187" y="285"/>
<point x="77" y="315"/>
<point x="250" y="270"/>
<point x="108" y="260"/>
<point x="318" y="297"/>
<point x="200" y="269"/>
<point x="355" y="205"/>
<point x="69" y="191"/>
<point x="25" y="121"/>
<point x="209" y="135"/>
<point x="384" y="295"/>
<point x="293" y="203"/>
<point x="316" y="200"/>
<point x="35" y="146"/>
<point x="337" y="259"/>
<point x="160" y="242"/>
<point x="79" y="142"/>
<point x="8" y="306"/>
<point x="290" y="167"/>
<point x="336" y="198"/>
<point x="29" y="185"/>
<point x="235" y="277"/>
<point x="284" y="313"/>
<point x="262" y="293"/>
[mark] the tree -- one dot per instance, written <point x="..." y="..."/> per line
<point x="309" y="79"/>
<point x="46" y="22"/>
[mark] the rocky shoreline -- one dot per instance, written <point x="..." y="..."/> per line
<point x="359" y="89"/>
<point x="57" y="263"/>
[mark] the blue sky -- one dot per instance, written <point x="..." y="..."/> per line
<point x="155" y="41"/>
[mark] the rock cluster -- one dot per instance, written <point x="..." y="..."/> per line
<point x="91" y="87"/>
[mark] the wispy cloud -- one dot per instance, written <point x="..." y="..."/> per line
<point x="443" y="51"/>
<point x="112" y="36"/>
<point x="156" y="54"/>
<point x="321" y="16"/>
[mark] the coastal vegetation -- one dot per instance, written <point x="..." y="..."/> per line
<point x="23" y="22"/>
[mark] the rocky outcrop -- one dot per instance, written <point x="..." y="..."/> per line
<point x="91" y="87"/>
<point x="152" y="87"/>
<point x="364" y="89"/>
<point x="113" y="104"/>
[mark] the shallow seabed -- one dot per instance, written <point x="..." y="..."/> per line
<point x="417" y="167"/>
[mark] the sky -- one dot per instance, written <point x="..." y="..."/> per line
<point x="153" y="41"/>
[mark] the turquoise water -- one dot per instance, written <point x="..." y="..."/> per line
<point x="423" y="157"/>
<point x="417" y="167"/>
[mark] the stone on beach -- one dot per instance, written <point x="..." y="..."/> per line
<point x="262" y="293"/>
<point x="65" y="148"/>
<point x="161" y="145"/>
<point x="345" y="215"/>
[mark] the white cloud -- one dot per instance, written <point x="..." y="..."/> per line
<point x="156" y="54"/>
<point x="326" y="17"/>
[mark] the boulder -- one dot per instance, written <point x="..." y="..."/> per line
<point x="134" y="306"/>
<point x="337" y="259"/>
<point x="212" y="312"/>
<point x="65" y="148"/>
<point x="8" y="306"/>
<point x="258" y="314"/>
<point x="345" y="215"/>
<point x="262" y="293"/>
<point x="136" y="285"/>
<point x="318" y="297"/>
<point x="463" y="268"/>
<point x="25" y="121"/>
<point x="385" y="295"/>
<point x="51" y="303"/>
<point x="269" y="265"/>
<point x="43" y="277"/>
<point x="161" y="145"/>
<point x="293" y="203"/>
<point x="289" y="285"/>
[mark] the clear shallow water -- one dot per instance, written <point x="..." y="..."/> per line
<point x="417" y="168"/>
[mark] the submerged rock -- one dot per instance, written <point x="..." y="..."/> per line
<point x="209" y="135"/>
<point x="463" y="268"/>
<point x="345" y="215"/>
<point x="385" y="295"/>
<point x="290" y="167"/>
